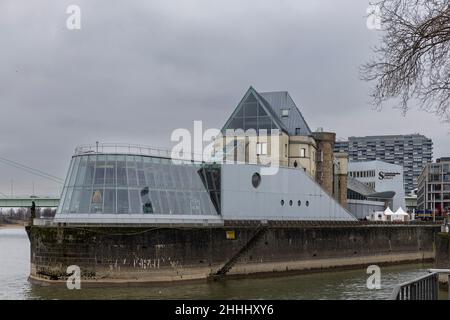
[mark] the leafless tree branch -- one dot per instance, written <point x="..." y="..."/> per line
<point x="413" y="60"/>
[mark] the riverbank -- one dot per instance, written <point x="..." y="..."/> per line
<point x="12" y="226"/>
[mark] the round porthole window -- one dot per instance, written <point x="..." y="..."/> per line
<point x="295" y="164"/>
<point x="299" y="203"/>
<point x="256" y="179"/>
<point x="290" y="203"/>
<point x="307" y="203"/>
<point x="282" y="202"/>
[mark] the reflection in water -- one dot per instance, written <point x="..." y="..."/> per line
<point x="14" y="269"/>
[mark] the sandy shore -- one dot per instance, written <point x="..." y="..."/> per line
<point x="12" y="226"/>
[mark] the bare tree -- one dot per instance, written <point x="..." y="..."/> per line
<point x="413" y="61"/>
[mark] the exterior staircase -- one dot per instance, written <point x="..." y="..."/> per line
<point x="250" y="244"/>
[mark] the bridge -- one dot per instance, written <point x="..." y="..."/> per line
<point x="25" y="202"/>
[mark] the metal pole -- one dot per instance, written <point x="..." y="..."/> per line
<point x="448" y="287"/>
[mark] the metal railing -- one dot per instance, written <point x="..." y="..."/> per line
<point x="422" y="288"/>
<point x="143" y="150"/>
<point x="120" y="148"/>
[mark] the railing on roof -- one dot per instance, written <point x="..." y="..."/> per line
<point x="137" y="149"/>
<point x="124" y="148"/>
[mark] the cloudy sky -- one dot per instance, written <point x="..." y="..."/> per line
<point x="137" y="70"/>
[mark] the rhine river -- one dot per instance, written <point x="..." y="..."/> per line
<point x="14" y="270"/>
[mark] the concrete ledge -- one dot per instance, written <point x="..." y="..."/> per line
<point x="249" y="270"/>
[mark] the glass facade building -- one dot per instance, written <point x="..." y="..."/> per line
<point x="434" y="187"/>
<point x="136" y="184"/>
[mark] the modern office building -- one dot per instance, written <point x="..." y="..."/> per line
<point x="363" y="200"/>
<point x="268" y="128"/>
<point x="412" y="152"/>
<point x="434" y="187"/>
<point x="381" y="177"/>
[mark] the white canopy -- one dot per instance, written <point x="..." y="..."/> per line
<point x="388" y="211"/>
<point x="401" y="212"/>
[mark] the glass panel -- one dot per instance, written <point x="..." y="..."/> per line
<point x="194" y="203"/>
<point x="150" y="175"/>
<point x="250" y="123"/>
<point x="205" y="203"/>
<point x="74" y="171"/>
<point x="75" y="202"/>
<point x="141" y="174"/>
<point x="168" y="177"/>
<point x="99" y="179"/>
<point x="90" y="169"/>
<point x="173" y="203"/>
<point x="110" y="201"/>
<point x="164" y="202"/>
<point x="154" y="196"/>
<point x="147" y="206"/>
<point x="81" y="174"/>
<point x="67" y="198"/>
<point x="135" y="202"/>
<point x="121" y="172"/>
<point x="131" y="170"/>
<point x="250" y="98"/>
<point x="250" y="109"/>
<point x="261" y="111"/>
<point x="265" y="123"/>
<point x="85" y="200"/>
<point x="240" y="112"/>
<point x="110" y="172"/>
<point x="236" y="123"/>
<point x="97" y="201"/>
<point x="122" y="201"/>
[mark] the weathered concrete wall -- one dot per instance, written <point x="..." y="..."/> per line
<point x="167" y="254"/>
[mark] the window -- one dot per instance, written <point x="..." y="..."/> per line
<point x="290" y="202"/>
<point x="302" y="152"/>
<point x="285" y="112"/>
<point x="299" y="203"/>
<point x="297" y="131"/>
<point x="261" y="148"/>
<point x="256" y="180"/>
<point x="282" y="202"/>
<point x="307" y="203"/>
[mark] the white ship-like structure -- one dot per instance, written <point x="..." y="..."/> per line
<point x="126" y="184"/>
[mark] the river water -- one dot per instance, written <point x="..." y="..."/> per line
<point x="14" y="270"/>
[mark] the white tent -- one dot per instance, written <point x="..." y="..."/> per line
<point x="401" y="212"/>
<point x="388" y="212"/>
<point x="399" y="215"/>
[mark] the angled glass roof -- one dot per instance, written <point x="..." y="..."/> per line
<point x="133" y="184"/>
<point x="268" y="110"/>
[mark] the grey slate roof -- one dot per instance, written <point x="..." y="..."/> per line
<point x="282" y="100"/>
<point x="274" y="102"/>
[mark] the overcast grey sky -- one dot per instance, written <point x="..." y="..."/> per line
<point x="137" y="70"/>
